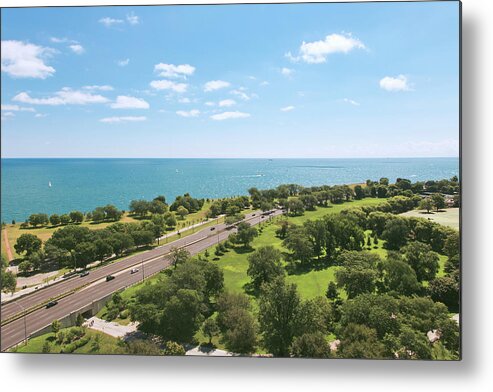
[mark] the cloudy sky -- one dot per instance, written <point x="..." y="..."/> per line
<point x="308" y="80"/>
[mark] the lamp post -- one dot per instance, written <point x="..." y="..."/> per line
<point x="25" y="322"/>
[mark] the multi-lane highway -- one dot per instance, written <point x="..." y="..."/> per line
<point x="85" y="290"/>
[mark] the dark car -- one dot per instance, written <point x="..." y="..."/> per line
<point x="51" y="304"/>
<point x="254" y="214"/>
<point x="213" y="228"/>
<point x="85" y="273"/>
<point x="109" y="277"/>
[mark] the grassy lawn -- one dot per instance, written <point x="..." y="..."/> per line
<point x="107" y="344"/>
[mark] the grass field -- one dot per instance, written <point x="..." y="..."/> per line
<point x="448" y="217"/>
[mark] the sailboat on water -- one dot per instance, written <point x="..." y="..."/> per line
<point x="49" y="184"/>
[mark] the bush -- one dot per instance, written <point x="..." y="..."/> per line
<point x="70" y="348"/>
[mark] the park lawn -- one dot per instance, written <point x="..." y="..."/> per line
<point x="334" y="209"/>
<point x="234" y="263"/>
<point x="107" y="344"/>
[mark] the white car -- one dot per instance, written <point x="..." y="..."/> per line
<point x="134" y="270"/>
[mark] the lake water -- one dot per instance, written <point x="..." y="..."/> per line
<point x="83" y="184"/>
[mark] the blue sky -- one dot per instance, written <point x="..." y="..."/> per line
<point x="297" y="80"/>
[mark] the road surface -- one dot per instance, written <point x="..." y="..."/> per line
<point x="153" y="261"/>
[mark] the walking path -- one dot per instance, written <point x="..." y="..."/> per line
<point x="110" y="328"/>
<point x="10" y="256"/>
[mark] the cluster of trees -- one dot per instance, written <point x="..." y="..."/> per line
<point x="143" y="207"/>
<point x="8" y="281"/>
<point x="176" y="306"/>
<point x="78" y="246"/>
<point x="187" y="202"/>
<point x="228" y="206"/>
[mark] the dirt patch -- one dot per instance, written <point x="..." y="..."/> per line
<point x="448" y="217"/>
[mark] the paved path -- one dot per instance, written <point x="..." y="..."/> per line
<point x="197" y="351"/>
<point x="110" y="328"/>
<point x="10" y="256"/>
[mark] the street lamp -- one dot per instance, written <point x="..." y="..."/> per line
<point x="25" y="323"/>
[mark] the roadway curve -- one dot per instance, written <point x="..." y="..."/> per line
<point x="154" y="260"/>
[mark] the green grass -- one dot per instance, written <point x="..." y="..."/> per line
<point x="107" y="344"/>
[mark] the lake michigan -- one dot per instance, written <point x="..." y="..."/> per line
<point x="63" y="185"/>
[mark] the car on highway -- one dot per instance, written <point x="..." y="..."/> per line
<point x="109" y="277"/>
<point x="134" y="270"/>
<point x="254" y="214"/>
<point x="85" y="273"/>
<point x="51" y="304"/>
<point x="213" y="228"/>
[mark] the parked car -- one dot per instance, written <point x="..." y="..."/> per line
<point x="213" y="228"/>
<point x="85" y="273"/>
<point x="134" y="270"/>
<point x="254" y="214"/>
<point x="51" y="304"/>
<point x="109" y="277"/>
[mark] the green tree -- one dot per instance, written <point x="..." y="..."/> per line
<point x="422" y="260"/>
<point x="25" y="266"/>
<point x="173" y="349"/>
<point x="27" y="243"/>
<point x="246" y="234"/>
<point x="295" y="207"/>
<point x="310" y="345"/>
<point x="396" y="233"/>
<point x="55" y="327"/>
<point x="179" y="256"/>
<point x="76" y="217"/>
<point x="144" y="347"/>
<point x="182" y="212"/>
<point x="438" y="201"/>
<point x="426" y="204"/>
<point x="279" y="306"/>
<point x="55" y="220"/>
<point x="445" y="289"/>
<point x="210" y="329"/>
<point x="64" y="219"/>
<point x="139" y="207"/>
<point x="332" y="292"/>
<point x="399" y="276"/>
<point x="264" y="265"/>
<point x="359" y="341"/>
<point x="84" y="253"/>
<point x="299" y="244"/>
<point x="356" y="280"/>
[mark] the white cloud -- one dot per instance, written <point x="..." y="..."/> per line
<point x="184" y="100"/>
<point x="350" y="101"/>
<point x="24" y="60"/>
<point x="77" y="49"/>
<point x="210" y="103"/>
<point x="190" y="113"/>
<point x="287" y="71"/>
<point x="174" y="71"/>
<point x="133" y="19"/>
<point x="242" y="94"/>
<point x="65" y="96"/>
<point x="112" y="120"/>
<point x="398" y="83"/>
<point x="287" y="108"/>
<point x="264" y="83"/>
<point x="123" y="63"/>
<point x="126" y="102"/>
<point x="215" y="85"/>
<point x="8" y="114"/>
<point x="229" y="115"/>
<point x="317" y="51"/>
<point x="39" y="115"/>
<point x="17" y="108"/>
<point x="108" y="22"/>
<point x="104" y="87"/>
<point x="227" y="102"/>
<point x="169" y="85"/>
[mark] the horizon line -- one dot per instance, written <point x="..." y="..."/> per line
<point x="383" y="157"/>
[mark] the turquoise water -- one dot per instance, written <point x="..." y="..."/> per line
<point x="84" y="184"/>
